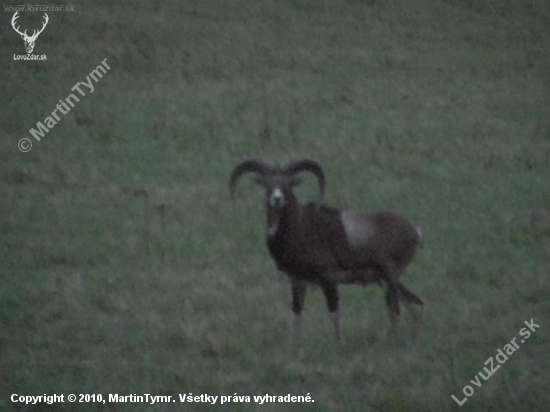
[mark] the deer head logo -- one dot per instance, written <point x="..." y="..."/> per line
<point x="29" y="40"/>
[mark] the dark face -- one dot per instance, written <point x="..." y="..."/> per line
<point x="278" y="189"/>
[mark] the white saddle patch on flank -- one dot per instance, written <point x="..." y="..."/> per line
<point x="358" y="229"/>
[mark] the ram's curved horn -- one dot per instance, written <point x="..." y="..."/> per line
<point x="308" y="165"/>
<point x="248" y="166"/>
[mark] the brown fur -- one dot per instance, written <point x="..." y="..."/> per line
<point x="320" y="245"/>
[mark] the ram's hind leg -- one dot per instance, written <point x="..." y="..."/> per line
<point x="388" y="278"/>
<point x="392" y="303"/>
<point x="414" y="303"/>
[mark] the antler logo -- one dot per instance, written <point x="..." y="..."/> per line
<point x="29" y="40"/>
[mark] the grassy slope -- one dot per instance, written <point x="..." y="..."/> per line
<point x="438" y="110"/>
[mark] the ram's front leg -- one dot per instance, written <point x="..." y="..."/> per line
<point x="330" y="291"/>
<point x="298" y="297"/>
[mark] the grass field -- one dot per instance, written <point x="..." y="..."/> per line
<point x="125" y="269"/>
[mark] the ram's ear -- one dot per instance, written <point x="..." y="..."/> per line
<point x="252" y="165"/>
<point x="259" y="180"/>
<point x="295" y="181"/>
<point x="308" y="165"/>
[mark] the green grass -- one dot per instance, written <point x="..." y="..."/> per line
<point x="125" y="269"/>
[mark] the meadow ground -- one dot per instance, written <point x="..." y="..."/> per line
<point x="126" y="270"/>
